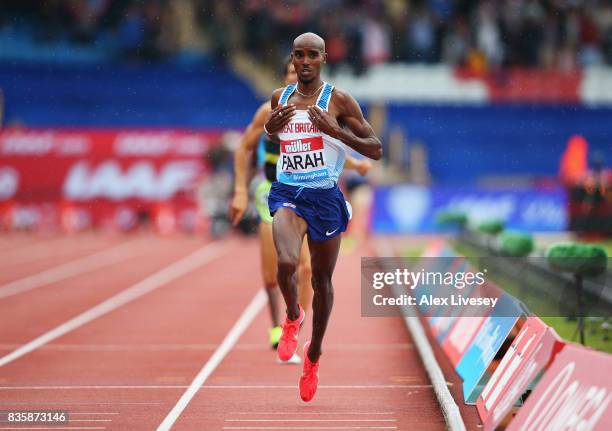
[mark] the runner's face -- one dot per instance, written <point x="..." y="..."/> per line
<point x="290" y="76"/>
<point x="307" y="61"/>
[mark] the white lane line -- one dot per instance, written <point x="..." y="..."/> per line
<point x="81" y="265"/>
<point x="209" y="346"/>
<point x="121" y="347"/>
<point x="110" y="387"/>
<point x="320" y="386"/>
<point x="311" y="413"/>
<point x="162" y="277"/>
<point x="243" y="322"/>
<point x="54" y="388"/>
<point x="76" y="403"/>
<point x="310" y="428"/>
<point x="310" y="420"/>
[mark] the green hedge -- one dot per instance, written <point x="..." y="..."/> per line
<point x="577" y="258"/>
<point x="516" y="244"/>
<point x="492" y="227"/>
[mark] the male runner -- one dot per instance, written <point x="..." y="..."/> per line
<point x="313" y="123"/>
<point x="249" y="141"/>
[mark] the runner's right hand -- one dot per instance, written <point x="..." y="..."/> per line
<point x="279" y="118"/>
<point x="238" y="206"/>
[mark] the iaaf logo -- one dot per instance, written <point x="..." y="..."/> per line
<point x="141" y="180"/>
<point x="568" y="405"/>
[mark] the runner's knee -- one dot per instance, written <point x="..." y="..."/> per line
<point x="286" y="267"/>
<point x="321" y="282"/>
<point x="286" y="270"/>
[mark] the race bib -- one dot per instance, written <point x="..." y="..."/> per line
<point x="303" y="159"/>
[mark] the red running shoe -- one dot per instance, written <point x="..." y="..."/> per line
<point x="310" y="377"/>
<point x="288" y="343"/>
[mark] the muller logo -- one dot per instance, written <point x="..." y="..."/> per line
<point x="302" y="145"/>
<point x="297" y="146"/>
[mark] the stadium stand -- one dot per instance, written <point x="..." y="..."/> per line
<point x="116" y="95"/>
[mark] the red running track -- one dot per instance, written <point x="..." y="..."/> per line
<point x="167" y="307"/>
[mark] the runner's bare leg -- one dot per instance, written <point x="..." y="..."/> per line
<point x="304" y="278"/>
<point x="324" y="255"/>
<point x="268" y="269"/>
<point x="288" y="230"/>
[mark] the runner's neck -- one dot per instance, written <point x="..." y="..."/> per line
<point x="309" y="90"/>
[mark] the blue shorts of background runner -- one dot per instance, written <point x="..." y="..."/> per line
<point x="326" y="212"/>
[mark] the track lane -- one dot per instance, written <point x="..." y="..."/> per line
<point x="196" y="309"/>
<point x="15" y="265"/>
<point x="368" y="366"/>
<point x="34" y="312"/>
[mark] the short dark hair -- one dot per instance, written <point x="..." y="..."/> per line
<point x="286" y="64"/>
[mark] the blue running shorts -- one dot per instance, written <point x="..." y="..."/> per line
<point x="325" y="211"/>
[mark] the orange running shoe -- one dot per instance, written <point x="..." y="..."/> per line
<point x="288" y="343"/>
<point x="310" y="377"/>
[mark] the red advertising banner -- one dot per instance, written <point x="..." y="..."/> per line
<point x="96" y="171"/>
<point x="530" y="352"/>
<point x="573" y="395"/>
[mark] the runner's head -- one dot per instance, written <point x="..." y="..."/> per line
<point x="307" y="55"/>
<point x="289" y="74"/>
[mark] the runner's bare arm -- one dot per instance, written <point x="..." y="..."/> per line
<point x="358" y="134"/>
<point x="248" y="142"/>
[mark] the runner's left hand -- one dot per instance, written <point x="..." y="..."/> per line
<point x="324" y="121"/>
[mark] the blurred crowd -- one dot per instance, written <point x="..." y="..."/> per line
<point x="130" y="29"/>
<point x="561" y="34"/>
